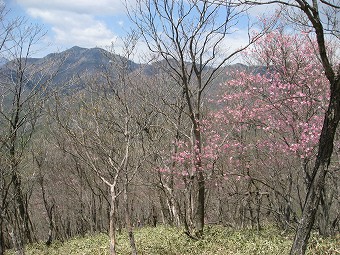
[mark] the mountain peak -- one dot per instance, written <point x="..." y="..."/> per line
<point x="77" y="48"/>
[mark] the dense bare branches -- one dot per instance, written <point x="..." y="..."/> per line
<point x="188" y="36"/>
<point x="24" y="91"/>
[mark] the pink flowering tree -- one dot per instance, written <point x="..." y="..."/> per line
<point x="260" y="142"/>
<point x="270" y="117"/>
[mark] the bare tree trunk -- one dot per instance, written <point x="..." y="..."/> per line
<point x="112" y="230"/>
<point x="199" y="219"/>
<point x="188" y="208"/>
<point x="328" y="131"/>
<point x="17" y="241"/>
<point x="308" y="215"/>
<point x="48" y="208"/>
<point x="51" y="225"/>
<point x="310" y="208"/>
<point x="174" y="212"/>
<point x="325" y="226"/>
<point x="2" y="239"/>
<point x="23" y="219"/>
<point x="128" y="221"/>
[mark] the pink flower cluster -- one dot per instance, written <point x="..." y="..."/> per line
<point x="280" y="106"/>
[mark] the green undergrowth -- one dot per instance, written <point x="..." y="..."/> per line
<point x="165" y="240"/>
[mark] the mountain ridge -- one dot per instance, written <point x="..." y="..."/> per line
<point x="75" y="65"/>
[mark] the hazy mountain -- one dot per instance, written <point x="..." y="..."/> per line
<point x="76" y="65"/>
<point x="73" y="66"/>
<point x="80" y="63"/>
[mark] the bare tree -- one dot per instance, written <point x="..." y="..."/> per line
<point x="6" y="29"/>
<point x="24" y="91"/>
<point x="107" y="132"/>
<point x="188" y="37"/>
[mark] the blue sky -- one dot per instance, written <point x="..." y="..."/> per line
<point x="89" y="23"/>
<point x="85" y="23"/>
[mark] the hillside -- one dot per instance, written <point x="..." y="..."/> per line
<point x="218" y="240"/>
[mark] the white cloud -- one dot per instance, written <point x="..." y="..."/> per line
<point x="236" y="40"/>
<point x="93" y="7"/>
<point x="72" y="28"/>
<point x="260" y="10"/>
<point x="231" y="43"/>
<point x="76" y="22"/>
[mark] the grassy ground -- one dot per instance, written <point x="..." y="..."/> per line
<point x="165" y="240"/>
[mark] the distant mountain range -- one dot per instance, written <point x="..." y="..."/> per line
<point x="78" y="63"/>
<point x="70" y="65"/>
